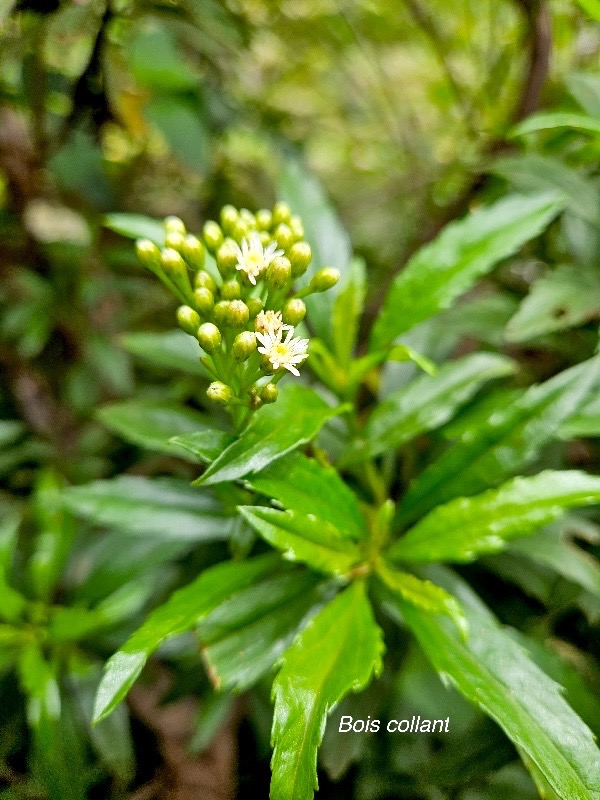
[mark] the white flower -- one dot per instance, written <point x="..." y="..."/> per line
<point x="253" y="258"/>
<point x="271" y="322"/>
<point x="281" y="352"/>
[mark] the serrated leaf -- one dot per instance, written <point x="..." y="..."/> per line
<point x="183" y="611"/>
<point x="165" y="508"/>
<point x="338" y="652"/>
<point x="169" y="350"/>
<point x="495" y="674"/>
<point x="304" y="538"/>
<point x="136" y="226"/>
<point x="425" y="404"/>
<point x="464" y="251"/>
<point x="563" y="298"/>
<point x="498" y="447"/>
<point x="273" y="431"/>
<point x="152" y="425"/>
<point x="302" y="484"/>
<point x="464" y="528"/>
<point x="557" y="119"/>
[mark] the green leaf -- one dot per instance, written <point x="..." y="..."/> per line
<point x="463" y="252"/>
<point x="557" y="119"/>
<point x="585" y="423"/>
<point x="466" y="527"/>
<point x="182" y="612"/>
<point x="510" y="438"/>
<point x="305" y="538"/>
<point x="496" y="675"/>
<point x="206" y="445"/>
<point x="273" y="431"/>
<point x="591" y="7"/>
<point x="180" y="122"/>
<point x="585" y="88"/>
<point x="302" y="484"/>
<point x="425" y="404"/>
<point x="338" y="652"/>
<point x="347" y="310"/>
<point x="136" y="226"/>
<point x="565" y="297"/>
<point x="214" y="711"/>
<point x="171" y="350"/>
<point x="165" y="508"/>
<point x="10" y="431"/>
<point x="152" y="425"/>
<point x="324" y="232"/>
<point x="13" y="603"/>
<point x="245" y="635"/>
<point x="155" y="61"/>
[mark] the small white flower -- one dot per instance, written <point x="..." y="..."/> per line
<point x="253" y="258"/>
<point x="270" y="322"/>
<point x="281" y="352"/>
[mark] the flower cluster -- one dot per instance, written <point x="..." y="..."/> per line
<point x="236" y="286"/>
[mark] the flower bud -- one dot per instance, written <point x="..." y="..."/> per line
<point x="209" y="337"/>
<point x="227" y="258"/>
<point x="175" y="268"/>
<point x="281" y="213"/>
<point x="174" y="240"/>
<point x="213" y="235"/>
<point x="148" y="253"/>
<point x="237" y="314"/>
<point x="244" y="345"/>
<point x="248" y="217"/>
<point x="283" y="236"/>
<point x="324" y="279"/>
<point x="231" y="290"/>
<point x="229" y="216"/>
<point x="219" y="393"/>
<point x="188" y="319"/>
<point x="204" y="300"/>
<point x="204" y="280"/>
<point x="264" y="219"/>
<point x="221" y="312"/>
<point x="279" y="273"/>
<point x="265" y="238"/>
<point x="255" y="306"/>
<point x="269" y="393"/>
<point x="241" y="230"/>
<point x="297" y="228"/>
<point x="193" y="251"/>
<point x="300" y="256"/>
<point x="294" y="312"/>
<point x="174" y="225"/>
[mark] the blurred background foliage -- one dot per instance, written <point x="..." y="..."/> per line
<point x="403" y="112"/>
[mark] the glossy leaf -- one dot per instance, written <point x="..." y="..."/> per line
<point x="182" y="612"/>
<point x="170" y="350"/>
<point x="204" y="446"/>
<point x="495" y="674"/>
<point x="302" y="484"/>
<point x="426" y="403"/>
<point x="467" y="527"/>
<point x="304" y="538"/>
<point x="498" y="447"/>
<point x="339" y="652"/>
<point x="464" y="251"/>
<point x="557" y="119"/>
<point x="166" y="508"/>
<point x="136" y="226"/>
<point x="273" y="431"/>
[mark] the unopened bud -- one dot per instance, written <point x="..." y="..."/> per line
<point x="283" y="236"/>
<point x="324" y="279"/>
<point x="296" y="227"/>
<point x="241" y="230"/>
<point x="174" y="225"/>
<point x="300" y="256"/>
<point x="174" y="240"/>
<point x="264" y="219"/>
<point x="269" y="393"/>
<point x="237" y="314"/>
<point x="227" y="258"/>
<point x="209" y="337"/>
<point x="231" y="289"/>
<point x="193" y="251"/>
<point x="265" y="238"/>
<point x="255" y="306"/>
<point x="248" y="217"/>
<point x="279" y="273"/>
<point x="175" y="268"/>
<point x="294" y="311"/>
<point x="204" y="280"/>
<point x="221" y="312"/>
<point x="204" y="300"/>
<point x="148" y="253"/>
<point x="213" y="235"/>
<point x="219" y="393"/>
<point x="244" y="345"/>
<point x="188" y="319"/>
<point x="229" y="216"/>
<point x="281" y="213"/>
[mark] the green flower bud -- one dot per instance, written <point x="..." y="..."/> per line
<point x="175" y="268"/>
<point x="227" y="258"/>
<point x="241" y="230"/>
<point x="148" y="253"/>
<point x="281" y="213"/>
<point x="255" y="306"/>
<point x="269" y="393"/>
<point x="219" y="393"/>
<point x="237" y="314"/>
<point x="324" y="279"/>
<point x="244" y="345"/>
<point x="300" y="256"/>
<point x="297" y="228"/>
<point x="209" y="337"/>
<point x="279" y="273"/>
<point x="193" y="251"/>
<point x="204" y="300"/>
<point x="188" y="319"/>
<point x="229" y="216"/>
<point x="264" y="219"/>
<point x="231" y="290"/>
<point x="213" y="235"/>
<point x="265" y="238"/>
<point x="174" y="225"/>
<point x="283" y="236"/>
<point x="204" y="280"/>
<point x="248" y="217"/>
<point x="174" y="240"/>
<point x="294" y="312"/>
<point x="221" y="312"/>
